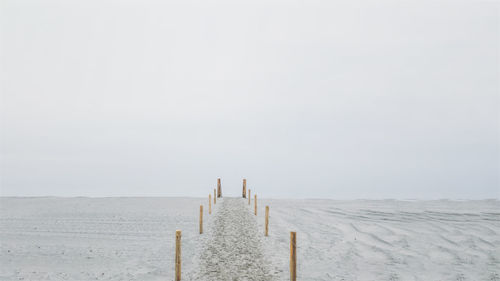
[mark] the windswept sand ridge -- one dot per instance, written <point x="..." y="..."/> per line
<point x="388" y="239"/>
<point x="232" y="248"/>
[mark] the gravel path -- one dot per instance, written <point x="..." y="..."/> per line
<point x="232" y="246"/>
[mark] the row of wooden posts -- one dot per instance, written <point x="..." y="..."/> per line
<point x="218" y="194"/>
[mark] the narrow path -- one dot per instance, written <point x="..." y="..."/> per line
<point x="232" y="249"/>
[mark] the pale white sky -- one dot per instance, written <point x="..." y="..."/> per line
<point x="335" y="99"/>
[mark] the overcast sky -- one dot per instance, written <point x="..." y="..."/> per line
<point x="307" y="99"/>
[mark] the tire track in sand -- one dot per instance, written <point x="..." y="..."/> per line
<point x="232" y="249"/>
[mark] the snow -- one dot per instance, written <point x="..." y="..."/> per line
<point x="134" y="238"/>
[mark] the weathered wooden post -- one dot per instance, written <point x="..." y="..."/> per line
<point x="293" y="256"/>
<point x="215" y="200"/>
<point x="255" y="204"/>
<point x="267" y="221"/>
<point x="219" y="188"/>
<point x="244" y="193"/>
<point x="209" y="204"/>
<point x="177" y="255"/>
<point x="249" y="197"/>
<point x="201" y="219"/>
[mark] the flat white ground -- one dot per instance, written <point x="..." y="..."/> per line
<point x="133" y="239"/>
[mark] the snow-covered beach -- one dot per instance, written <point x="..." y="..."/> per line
<point x="133" y="239"/>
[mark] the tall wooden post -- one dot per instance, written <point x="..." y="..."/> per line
<point x="215" y="198"/>
<point x="177" y="255"/>
<point x="244" y="193"/>
<point x="293" y="256"/>
<point x="201" y="219"/>
<point x="267" y="221"/>
<point x="219" y="188"/>
<point x="209" y="204"/>
<point x="249" y="197"/>
<point x="255" y="204"/>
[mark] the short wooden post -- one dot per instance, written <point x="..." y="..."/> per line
<point x="249" y="197"/>
<point x="244" y="193"/>
<point x="267" y="221"/>
<point x="215" y="198"/>
<point x="177" y="255"/>
<point x="219" y="188"/>
<point x="255" y="204"/>
<point x="201" y="219"/>
<point x="293" y="256"/>
<point x="209" y="204"/>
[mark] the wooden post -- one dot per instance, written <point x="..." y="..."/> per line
<point x="219" y="188"/>
<point x="267" y="221"/>
<point x="249" y="197"/>
<point x="177" y="255"/>
<point x="201" y="219"/>
<point x="255" y="204"/>
<point x="209" y="204"/>
<point x="244" y="193"/>
<point x="215" y="200"/>
<point x="293" y="256"/>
